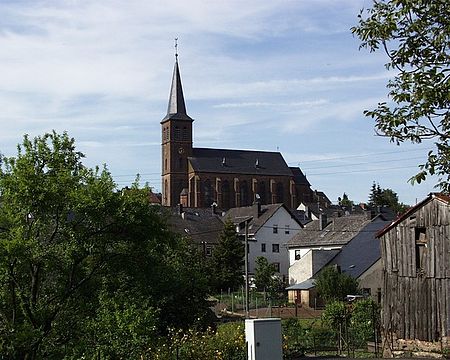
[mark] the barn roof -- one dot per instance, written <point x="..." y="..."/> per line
<point x="438" y="196"/>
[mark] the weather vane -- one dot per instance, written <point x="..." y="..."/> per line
<point x="176" y="47"/>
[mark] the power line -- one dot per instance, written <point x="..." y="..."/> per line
<point x="363" y="171"/>
<point x="358" y="156"/>
<point x="153" y="180"/>
<point x="364" y="163"/>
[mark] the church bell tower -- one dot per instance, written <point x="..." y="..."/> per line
<point x="176" y="144"/>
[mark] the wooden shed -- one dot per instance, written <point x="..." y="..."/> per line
<point x="415" y="253"/>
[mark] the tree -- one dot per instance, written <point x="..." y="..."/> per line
<point x="264" y="272"/>
<point x="228" y="259"/>
<point x="415" y="37"/>
<point x="331" y="284"/>
<point x="385" y="197"/>
<point x="84" y="269"/>
<point x="345" y="201"/>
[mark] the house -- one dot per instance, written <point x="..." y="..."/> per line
<point x="361" y="258"/>
<point x="269" y="229"/>
<point x="199" y="177"/>
<point x="348" y="243"/>
<point x="202" y="226"/>
<point x="315" y="246"/>
<point x="415" y="253"/>
<point x="324" y="234"/>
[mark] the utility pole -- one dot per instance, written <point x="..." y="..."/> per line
<point x="247" y="307"/>
<point x="246" y="221"/>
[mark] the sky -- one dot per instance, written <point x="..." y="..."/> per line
<point x="274" y="75"/>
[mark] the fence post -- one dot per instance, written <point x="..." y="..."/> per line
<point x="232" y="302"/>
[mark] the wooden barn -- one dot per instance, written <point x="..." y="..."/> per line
<point x="415" y="252"/>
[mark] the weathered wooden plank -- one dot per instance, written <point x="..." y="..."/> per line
<point x="403" y="329"/>
<point x="388" y="256"/>
<point x="433" y="307"/>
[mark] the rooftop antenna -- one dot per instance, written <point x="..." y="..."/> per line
<point x="176" y="48"/>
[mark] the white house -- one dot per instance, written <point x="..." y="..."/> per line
<point x="270" y="227"/>
<point x="347" y="242"/>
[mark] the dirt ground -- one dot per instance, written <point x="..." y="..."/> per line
<point x="278" y="312"/>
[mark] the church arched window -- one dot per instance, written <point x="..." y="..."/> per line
<point x="166" y="189"/>
<point x="280" y="192"/>
<point x="177" y="133"/>
<point x="207" y="193"/>
<point x="262" y="192"/>
<point x="243" y="188"/>
<point x="185" y="134"/>
<point x="225" y="188"/>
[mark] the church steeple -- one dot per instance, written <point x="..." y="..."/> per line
<point x="176" y="110"/>
<point x="176" y="144"/>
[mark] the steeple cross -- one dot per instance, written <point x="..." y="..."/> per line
<point x="176" y="47"/>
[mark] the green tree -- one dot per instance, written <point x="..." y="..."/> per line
<point x="264" y="273"/>
<point x="415" y="37"/>
<point x="345" y="201"/>
<point x="228" y="260"/>
<point x="385" y="197"/>
<point x="331" y="284"/>
<point x="85" y="270"/>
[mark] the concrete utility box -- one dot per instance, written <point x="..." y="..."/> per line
<point x="263" y="338"/>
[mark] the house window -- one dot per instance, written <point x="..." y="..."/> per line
<point x="297" y="255"/>
<point x="248" y="248"/>
<point x="276" y="266"/>
<point x="263" y="247"/>
<point x="276" y="248"/>
<point x="421" y="247"/>
<point x="275" y="229"/>
<point x="366" y="291"/>
<point x="208" y="251"/>
<point x="286" y="229"/>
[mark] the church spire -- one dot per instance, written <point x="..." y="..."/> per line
<point x="176" y="109"/>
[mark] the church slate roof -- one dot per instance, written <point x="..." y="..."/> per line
<point x="299" y="177"/>
<point x="247" y="162"/>
<point x="176" y="108"/>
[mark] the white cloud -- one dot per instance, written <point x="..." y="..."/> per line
<point x="256" y="74"/>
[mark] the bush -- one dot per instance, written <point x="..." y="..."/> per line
<point x="356" y="323"/>
<point x="227" y="343"/>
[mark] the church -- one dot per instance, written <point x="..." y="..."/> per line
<point x="200" y="177"/>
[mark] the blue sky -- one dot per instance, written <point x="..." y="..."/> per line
<point x="263" y="75"/>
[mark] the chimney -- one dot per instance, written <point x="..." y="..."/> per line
<point x="370" y="214"/>
<point x="257" y="208"/>
<point x="323" y="221"/>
